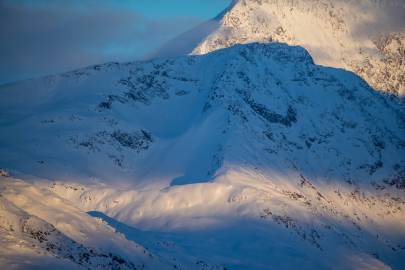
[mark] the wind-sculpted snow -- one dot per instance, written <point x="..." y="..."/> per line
<point x="366" y="37"/>
<point x="250" y="157"/>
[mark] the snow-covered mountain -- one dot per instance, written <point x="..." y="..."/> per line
<point x="366" y="37"/>
<point x="249" y="157"/>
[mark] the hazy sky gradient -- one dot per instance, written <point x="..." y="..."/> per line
<point x="40" y="37"/>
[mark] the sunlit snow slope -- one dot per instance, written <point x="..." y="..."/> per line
<point x="250" y="157"/>
<point x="40" y="230"/>
<point x="366" y="37"/>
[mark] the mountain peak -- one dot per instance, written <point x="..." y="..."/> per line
<point x="366" y="37"/>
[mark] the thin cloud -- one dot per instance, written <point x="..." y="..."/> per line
<point x="385" y="16"/>
<point x="39" y="40"/>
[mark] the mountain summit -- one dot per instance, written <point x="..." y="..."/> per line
<point x="366" y="37"/>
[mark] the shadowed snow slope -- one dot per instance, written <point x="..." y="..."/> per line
<point x="250" y="157"/>
<point x="366" y="37"/>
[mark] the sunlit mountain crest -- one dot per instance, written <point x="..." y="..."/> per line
<point x="366" y="37"/>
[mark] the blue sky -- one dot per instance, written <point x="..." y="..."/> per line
<point x="41" y="37"/>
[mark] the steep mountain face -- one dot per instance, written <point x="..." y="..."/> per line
<point x="366" y="37"/>
<point x="249" y="157"/>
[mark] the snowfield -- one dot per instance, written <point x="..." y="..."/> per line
<point x="41" y="230"/>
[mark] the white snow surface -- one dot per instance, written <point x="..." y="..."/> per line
<point x="249" y="157"/>
<point x="366" y="37"/>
